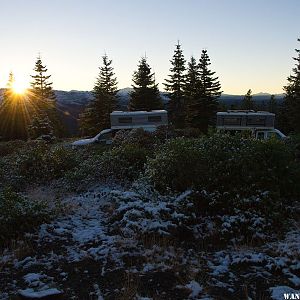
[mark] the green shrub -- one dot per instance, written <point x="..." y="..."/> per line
<point x="188" y="132"/>
<point x="41" y="162"/>
<point x="19" y="214"/>
<point x="177" y="165"/>
<point x="227" y="164"/>
<point x="123" y="163"/>
<point x="244" y="187"/>
<point x="140" y="137"/>
<point x="85" y="173"/>
<point x="7" y="148"/>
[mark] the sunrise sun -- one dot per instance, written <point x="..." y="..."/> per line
<point x="20" y="86"/>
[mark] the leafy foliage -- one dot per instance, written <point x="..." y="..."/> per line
<point x="19" y="214"/>
<point x="123" y="163"/>
<point x="36" y="162"/>
<point x="217" y="162"/>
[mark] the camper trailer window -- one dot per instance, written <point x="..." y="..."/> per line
<point x="256" y="121"/>
<point x="125" y="120"/>
<point x="154" y="119"/>
<point x="232" y="121"/>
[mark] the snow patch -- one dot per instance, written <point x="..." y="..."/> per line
<point x="30" y="293"/>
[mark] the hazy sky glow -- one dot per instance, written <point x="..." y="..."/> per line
<point x="250" y="43"/>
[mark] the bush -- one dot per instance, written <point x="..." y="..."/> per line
<point x="19" y="214"/>
<point x="41" y="162"/>
<point x="245" y="188"/>
<point x="142" y="213"/>
<point x="177" y="165"/>
<point x="8" y="148"/>
<point x="227" y="164"/>
<point x="123" y="163"/>
<point x="188" y="132"/>
<point x="140" y="137"/>
<point x="87" y="172"/>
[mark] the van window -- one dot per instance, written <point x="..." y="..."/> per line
<point x="273" y="135"/>
<point x="105" y="136"/>
<point x="125" y="120"/>
<point x="260" y="135"/>
<point x="154" y="119"/>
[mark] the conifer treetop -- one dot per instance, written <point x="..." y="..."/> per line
<point x="143" y="77"/>
<point x="293" y="86"/>
<point x="176" y="79"/>
<point x="145" y="94"/>
<point x="106" y="81"/>
<point x="210" y="84"/>
<point x="41" y="87"/>
<point x="192" y="78"/>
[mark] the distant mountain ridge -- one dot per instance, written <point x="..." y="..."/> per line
<point x="72" y="103"/>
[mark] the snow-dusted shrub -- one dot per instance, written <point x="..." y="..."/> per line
<point x="41" y="162"/>
<point x="238" y="218"/>
<point x="123" y="163"/>
<point x="251" y="183"/>
<point x="136" y="136"/>
<point x="86" y="172"/>
<point x="227" y="164"/>
<point x="7" y="148"/>
<point x="144" y="213"/>
<point x="19" y="214"/>
<point x="177" y="165"/>
<point x="188" y="132"/>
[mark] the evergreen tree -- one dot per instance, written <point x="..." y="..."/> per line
<point x="291" y="104"/>
<point x="97" y="114"/>
<point x="272" y="105"/>
<point x="192" y="92"/>
<point x="175" y="86"/>
<point x="210" y="91"/>
<point x="13" y="113"/>
<point x="145" y="94"/>
<point x="45" y="118"/>
<point x="41" y="88"/>
<point x="248" y="103"/>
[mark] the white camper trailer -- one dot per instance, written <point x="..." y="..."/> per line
<point x="259" y="123"/>
<point x="148" y="120"/>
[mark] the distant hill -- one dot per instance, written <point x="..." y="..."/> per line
<point x="72" y="103"/>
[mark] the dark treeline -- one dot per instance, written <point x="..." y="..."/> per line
<point x="193" y="92"/>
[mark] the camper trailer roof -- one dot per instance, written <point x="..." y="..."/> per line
<point x="244" y="112"/>
<point x="118" y="113"/>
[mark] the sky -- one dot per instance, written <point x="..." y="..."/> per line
<point x="250" y="43"/>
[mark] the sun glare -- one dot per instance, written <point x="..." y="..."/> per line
<point x="19" y="87"/>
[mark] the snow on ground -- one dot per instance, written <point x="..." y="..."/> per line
<point x="284" y="292"/>
<point x="30" y="293"/>
<point x="119" y="244"/>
